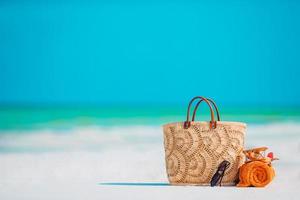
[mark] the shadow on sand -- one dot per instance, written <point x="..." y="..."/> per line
<point x="135" y="184"/>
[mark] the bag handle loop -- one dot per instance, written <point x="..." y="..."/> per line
<point x="213" y="103"/>
<point x="187" y="123"/>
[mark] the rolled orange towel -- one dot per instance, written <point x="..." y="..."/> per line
<point x="256" y="173"/>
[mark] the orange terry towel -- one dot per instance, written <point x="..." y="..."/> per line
<point x="255" y="173"/>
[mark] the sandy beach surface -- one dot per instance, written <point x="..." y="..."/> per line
<point x="127" y="163"/>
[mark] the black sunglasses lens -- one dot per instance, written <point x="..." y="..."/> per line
<point x="218" y="176"/>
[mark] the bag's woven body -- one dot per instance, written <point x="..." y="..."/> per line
<point x="193" y="154"/>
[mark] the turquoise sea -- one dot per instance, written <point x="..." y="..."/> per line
<point x="30" y="129"/>
<point x="64" y="117"/>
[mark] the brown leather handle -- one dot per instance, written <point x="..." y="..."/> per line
<point x="187" y="123"/>
<point x="212" y="102"/>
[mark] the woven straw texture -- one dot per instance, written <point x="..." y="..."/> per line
<point x="194" y="154"/>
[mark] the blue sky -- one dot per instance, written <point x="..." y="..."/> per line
<point x="238" y="52"/>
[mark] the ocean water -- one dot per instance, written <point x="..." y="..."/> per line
<point x="64" y="117"/>
<point x="43" y="129"/>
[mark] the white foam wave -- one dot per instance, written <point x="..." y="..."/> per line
<point x="80" y="138"/>
<point x="101" y="138"/>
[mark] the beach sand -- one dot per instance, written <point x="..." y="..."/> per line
<point x="102" y="163"/>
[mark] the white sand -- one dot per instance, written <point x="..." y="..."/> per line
<point x="71" y="164"/>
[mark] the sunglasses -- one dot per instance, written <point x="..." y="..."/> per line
<point x="218" y="176"/>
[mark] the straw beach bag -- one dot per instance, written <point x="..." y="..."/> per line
<point x="194" y="150"/>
